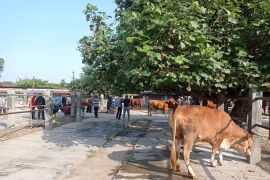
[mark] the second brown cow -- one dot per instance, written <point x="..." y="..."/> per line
<point x="164" y="105"/>
<point x="137" y="103"/>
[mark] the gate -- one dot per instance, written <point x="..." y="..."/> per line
<point x="15" y="110"/>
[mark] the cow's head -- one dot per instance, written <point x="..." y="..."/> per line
<point x="171" y="102"/>
<point x="244" y="144"/>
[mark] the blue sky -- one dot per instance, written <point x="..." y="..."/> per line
<point x="39" y="38"/>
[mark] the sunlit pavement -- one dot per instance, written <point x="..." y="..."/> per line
<point x="99" y="148"/>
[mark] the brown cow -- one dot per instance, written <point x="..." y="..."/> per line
<point x="137" y="102"/>
<point x="191" y="124"/>
<point x="161" y="104"/>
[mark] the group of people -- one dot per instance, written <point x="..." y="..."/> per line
<point x="38" y="101"/>
<point x="92" y="101"/>
<point x="122" y="104"/>
<point x="119" y="103"/>
<point x="187" y="100"/>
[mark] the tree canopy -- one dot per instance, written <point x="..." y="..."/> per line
<point x="172" y="46"/>
<point x="40" y="83"/>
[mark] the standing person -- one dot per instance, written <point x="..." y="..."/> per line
<point x="126" y="102"/>
<point x="96" y="106"/>
<point x="68" y="100"/>
<point x="179" y="101"/>
<point x="40" y="101"/>
<point x="119" y="107"/>
<point x="33" y="105"/>
<point x="64" y="101"/>
<point x="57" y="102"/>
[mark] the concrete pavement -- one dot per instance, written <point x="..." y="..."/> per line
<point x="51" y="154"/>
<point x="98" y="148"/>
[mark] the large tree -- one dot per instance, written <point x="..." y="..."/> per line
<point x="173" y="45"/>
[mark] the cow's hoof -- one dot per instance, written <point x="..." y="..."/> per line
<point x="192" y="176"/>
<point x="220" y="163"/>
<point x="176" y="169"/>
<point x="214" y="164"/>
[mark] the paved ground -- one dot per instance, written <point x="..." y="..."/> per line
<point x="99" y="148"/>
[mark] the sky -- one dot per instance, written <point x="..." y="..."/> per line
<point x="39" y="38"/>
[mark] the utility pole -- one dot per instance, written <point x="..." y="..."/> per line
<point x="73" y="77"/>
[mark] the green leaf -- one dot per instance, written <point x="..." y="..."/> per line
<point x="203" y="10"/>
<point x="266" y="85"/>
<point x="171" y="46"/>
<point x="194" y="24"/>
<point x="232" y="20"/>
<point x="147" y="47"/>
<point x="130" y="39"/>
<point x="191" y="38"/>
<point x="242" y="53"/>
<point x="182" y="45"/>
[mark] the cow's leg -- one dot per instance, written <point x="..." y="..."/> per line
<point x="214" y="150"/>
<point x="220" y="155"/>
<point x="165" y="110"/>
<point x="174" y="154"/>
<point x="178" y="147"/>
<point x="187" y="148"/>
<point x="149" y="111"/>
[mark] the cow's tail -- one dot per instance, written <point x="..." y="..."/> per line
<point x="174" y="157"/>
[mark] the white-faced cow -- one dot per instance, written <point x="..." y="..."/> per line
<point x="191" y="124"/>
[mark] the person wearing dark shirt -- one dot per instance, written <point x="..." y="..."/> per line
<point x="119" y="107"/>
<point x="64" y="101"/>
<point x="126" y="102"/>
<point x="40" y="101"/>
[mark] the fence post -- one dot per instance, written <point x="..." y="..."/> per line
<point x="255" y="118"/>
<point x="48" y="110"/>
<point x="78" y="113"/>
<point x="73" y="105"/>
<point x="11" y="107"/>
